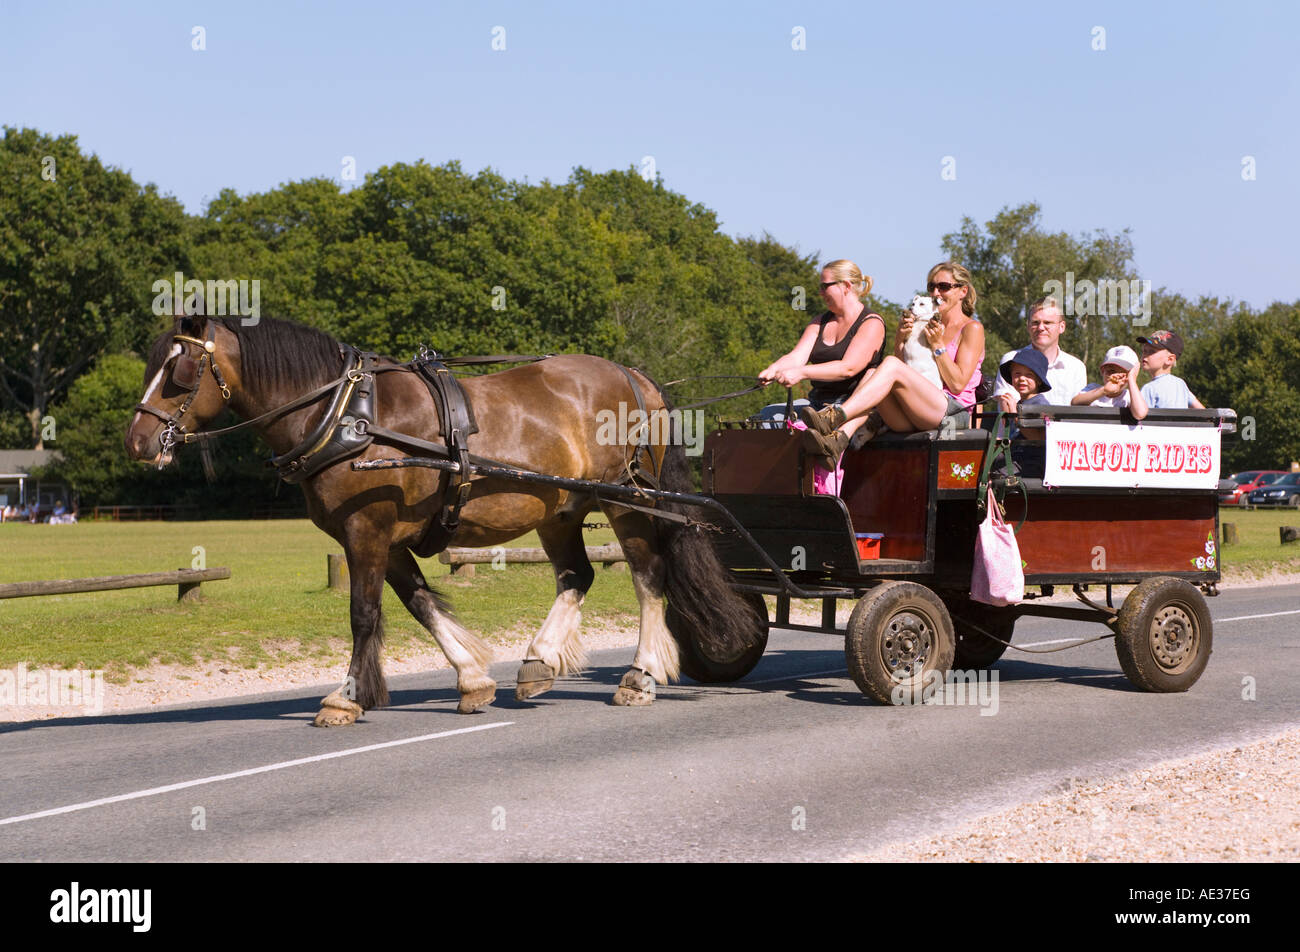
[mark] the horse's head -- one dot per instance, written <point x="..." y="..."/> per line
<point x="187" y="384"/>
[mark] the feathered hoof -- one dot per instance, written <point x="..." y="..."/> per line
<point x="534" y="678"/>
<point x="337" y="711"/>
<point x="636" y="689"/>
<point x="471" y="701"/>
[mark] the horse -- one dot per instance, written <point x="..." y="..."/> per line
<point x="542" y="417"/>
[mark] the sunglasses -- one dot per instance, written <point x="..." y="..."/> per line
<point x="827" y="284"/>
<point x="943" y="287"/>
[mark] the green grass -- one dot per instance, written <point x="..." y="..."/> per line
<point x="1259" y="551"/>
<point x="274" y="607"/>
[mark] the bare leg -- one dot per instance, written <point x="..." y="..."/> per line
<point x="916" y="404"/>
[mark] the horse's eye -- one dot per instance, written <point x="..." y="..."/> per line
<point x="186" y="372"/>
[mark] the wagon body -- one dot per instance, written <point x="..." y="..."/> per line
<point x="921" y="493"/>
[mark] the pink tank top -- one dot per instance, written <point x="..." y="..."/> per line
<point x="967" y="397"/>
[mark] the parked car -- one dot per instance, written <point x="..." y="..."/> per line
<point x="1246" y="483"/>
<point x="1284" y="491"/>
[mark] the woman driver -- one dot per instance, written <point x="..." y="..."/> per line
<point x="839" y="349"/>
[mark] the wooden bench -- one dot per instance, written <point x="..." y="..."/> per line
<point x="186" y="580"/>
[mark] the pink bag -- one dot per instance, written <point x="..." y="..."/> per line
<point x="825" y="483"/>
<point x="998" y="577"/>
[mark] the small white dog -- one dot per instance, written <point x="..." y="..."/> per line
<point x="917" y="352"/>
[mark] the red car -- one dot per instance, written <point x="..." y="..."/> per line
<point x="1246" y="483"/>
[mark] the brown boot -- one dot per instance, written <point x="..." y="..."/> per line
<point x="823" y="421"/>
<point x="827" y="450"/>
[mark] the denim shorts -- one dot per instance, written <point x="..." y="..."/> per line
<point x="959" y="413"/>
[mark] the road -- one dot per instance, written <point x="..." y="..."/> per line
<point x="792" y="764"/>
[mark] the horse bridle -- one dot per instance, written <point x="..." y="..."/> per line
<point x="187" y="374"/>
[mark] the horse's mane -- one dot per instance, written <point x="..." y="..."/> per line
<point x="275" y="354"/>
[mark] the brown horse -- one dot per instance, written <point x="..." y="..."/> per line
<point x="542" y="417"/>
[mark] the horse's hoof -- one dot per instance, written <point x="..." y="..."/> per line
<point x="471" y="701"/>
<point x="337" y="711"/>
<point x="534" y="678"/>
<point x="637" y="689"/>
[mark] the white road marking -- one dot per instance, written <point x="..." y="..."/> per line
<point x="794" y="677"/>
<point x="1266" y="615"/>
<point x="1039" y="644"/>
<point x="154" y="791"/>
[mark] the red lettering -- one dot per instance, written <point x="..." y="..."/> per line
<point x="1177" y="457"/>
<point x="1066" y="450"/>
<point x="1153" y="459"/>
<point x="1080" y="456"/>
<point x="1131" y="453"/>
<point x="1114" y="456"/>
<point x="1098" y="456"/>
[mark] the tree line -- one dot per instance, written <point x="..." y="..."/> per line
<point x="420" y="255"/>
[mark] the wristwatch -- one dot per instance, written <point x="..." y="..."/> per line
<point x="940" y="351"/>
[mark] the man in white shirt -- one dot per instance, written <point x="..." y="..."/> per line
<point x="1065" y="373"/>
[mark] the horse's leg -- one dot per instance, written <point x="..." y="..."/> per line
<point x="470" y="656"/>
<point x="656" y="654"/>
<point x="365" y="687"/>
<point x="556" y="648"/>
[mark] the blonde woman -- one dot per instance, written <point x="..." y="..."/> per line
<point x="900" y="397"/>
<point x="838" y="350"/>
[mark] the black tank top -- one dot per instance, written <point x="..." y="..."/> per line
<point x="822" y="353"/>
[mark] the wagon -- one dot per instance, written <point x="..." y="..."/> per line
<point x="1115" y="504"/>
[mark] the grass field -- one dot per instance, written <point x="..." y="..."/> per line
<point x="276" y="605"/>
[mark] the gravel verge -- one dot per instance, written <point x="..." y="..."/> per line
<point x="1237" y="804"/>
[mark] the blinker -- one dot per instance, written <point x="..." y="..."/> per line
<point x="186" y="372"/>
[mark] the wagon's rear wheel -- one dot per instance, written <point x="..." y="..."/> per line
<point x="701" y="664"/>
<point x="898" y="639"/>
<point x="1164" y="635"/>
<point x="975" y="649"/>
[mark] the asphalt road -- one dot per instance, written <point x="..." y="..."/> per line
<point x="792" y="764"/>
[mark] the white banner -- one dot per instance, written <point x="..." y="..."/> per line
<point x="1112" y="454"/>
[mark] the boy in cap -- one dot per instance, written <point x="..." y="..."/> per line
<point x="1118" y="387"/>
<point x="1026" y="372"/>
<point x="1160" y="352"/>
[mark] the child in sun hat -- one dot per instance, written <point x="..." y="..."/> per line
<point x="1160" y="352"/>
<point x="1026" y="371"/>
<point x="1118" y="387"/>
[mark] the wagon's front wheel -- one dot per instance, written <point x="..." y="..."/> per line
<point x="1164" y="634"/>
<point x="899" y="642"/>
<point x="700" y="664"/>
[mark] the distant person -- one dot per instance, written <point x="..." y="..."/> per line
<point x="1065" y="372"/>
<point x="1118" y="387"/>
<point x="1160" y="353"/>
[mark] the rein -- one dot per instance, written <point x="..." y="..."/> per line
<point x="718" y="399"/>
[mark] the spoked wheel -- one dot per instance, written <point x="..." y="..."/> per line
<point x="899" y="637"/>
<point x="701" y="664"/>
<point x="975" y="649"/>
<point x="1164" y="636"/>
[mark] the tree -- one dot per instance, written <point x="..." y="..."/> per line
<point x="79" y="244"/>
<point x="1015" y="262"/>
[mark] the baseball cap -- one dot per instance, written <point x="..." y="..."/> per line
<point x="1167" y="340"/>
<point x="1121" y="356"/>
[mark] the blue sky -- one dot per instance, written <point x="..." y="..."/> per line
<point x="837" y="148"/>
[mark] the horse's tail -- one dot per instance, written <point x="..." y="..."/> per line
<point x="696" y="583"/>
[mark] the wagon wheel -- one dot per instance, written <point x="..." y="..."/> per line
<point x="1164" y="634"/>
<point x="975" y="649"/>
<point x="701" y="664"/>
<point x="899" y="637"/>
